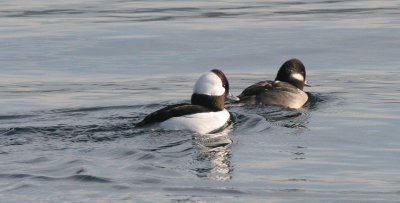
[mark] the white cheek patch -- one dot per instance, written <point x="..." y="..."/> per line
<point x="297" y="76"/>
<point x="209" y="84"/>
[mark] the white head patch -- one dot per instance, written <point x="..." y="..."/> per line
<point x="297" y="76"/>
<point x="209" y="84"/>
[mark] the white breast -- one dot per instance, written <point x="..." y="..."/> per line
<point x="200" y="122"/>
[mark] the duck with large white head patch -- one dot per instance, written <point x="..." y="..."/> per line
<point x="286" y="90"/>
<point x="205" y="113"/>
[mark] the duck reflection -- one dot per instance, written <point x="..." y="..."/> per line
<point x="290" y="118"/>
<point x="293" y="118"/>
<point x="273" y="115"/>
<point x="278" y="115"/>
<point x="212" y="155"/>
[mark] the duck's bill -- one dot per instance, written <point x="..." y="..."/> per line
<point x="307" y="84"/>
<point x="232" y="97"/>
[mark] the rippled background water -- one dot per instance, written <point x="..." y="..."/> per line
<point x="77" y="75"/>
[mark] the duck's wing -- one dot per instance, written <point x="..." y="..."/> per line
<point x="257" y="88"/>
<point x="171" y="111"/>
<point x="264" y="86"/>
<point x="284" y="87"/>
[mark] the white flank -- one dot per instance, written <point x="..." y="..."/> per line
<point x="299" y="100"/>
<point x="200" y="122"/>
<point x="298" y="76"/>
<point x="209" y="84"/>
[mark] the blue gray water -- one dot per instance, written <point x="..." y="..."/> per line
<point x="77" y="75"/>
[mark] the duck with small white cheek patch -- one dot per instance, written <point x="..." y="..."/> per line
<point x="286" y="90"/>
<point x="206" y="112"/>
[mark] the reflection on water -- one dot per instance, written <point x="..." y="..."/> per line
<point x="212" y="155"/>
<point x="273" y="115"/>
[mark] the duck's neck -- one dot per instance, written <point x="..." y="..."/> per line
<point x="215" y="103"/>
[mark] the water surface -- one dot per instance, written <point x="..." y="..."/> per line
<point x="76" y="77"/>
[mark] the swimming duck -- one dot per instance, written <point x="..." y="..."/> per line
<point x="286" y="90"/>
<point x="206" y="112"/>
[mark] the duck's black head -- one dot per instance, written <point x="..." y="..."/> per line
<point x="293" y="72"/>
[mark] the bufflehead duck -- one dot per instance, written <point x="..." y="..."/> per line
<point x="205" y="113"/>
<point x="286" y="90"/>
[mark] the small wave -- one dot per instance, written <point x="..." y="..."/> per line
<point x="14" y="176"/>
<point x="30" y="13"/>
<point x="70" y="133"/>
<point x="320" y="100"/>
<point x="12" y="117"/>
<point x="96" y="108"/>
<point x="88" y="178"/>
<point x="199" y="190"/>
<point x="80" y="178"/>
<point x="147" y="156"/>
<point x="72" y="111"/>
<point x="18" y="187"/>
<point x="169" y="145"/>
<point x="336" y="11"/>
<point x="37" y="91"/>
<point x="35" y="160"/>
<point x="249" y="122"/>
<point x="220" y="14"/>
<point x="17" y="130"/>
<point x="26" y="176"/>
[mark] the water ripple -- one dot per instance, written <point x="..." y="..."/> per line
<point x="12" y="117"/>
<point x="336" y="11"/>
<point x="141" y="13"/>
<point x="79" y="178"/>
<point x="202" y="190"/>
